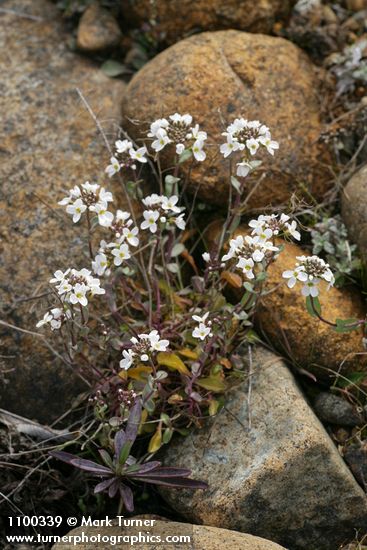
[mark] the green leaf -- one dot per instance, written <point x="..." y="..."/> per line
<point x="125" y="451"/>
<point x="177" y="249"/>
<point x="343" y="325"/>
<point x="185" y="155"/>
<point x="353" y="378"/>
<point x="169" y="183"/>
<point x="236" y="184"/>
<point x="212" y="383"/>
<point x="113" y="68"/>
<point x="313" y="305"/>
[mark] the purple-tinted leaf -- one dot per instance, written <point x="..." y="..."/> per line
<point x="148" y="466"/>
<point x="120" y="440"/>
<point x="167" y="472"/>
<point x="114" y="487"/>
<point x="103" y="485"/>
<point x="90" y="466"/>
<point x="127" y="496"/>
<point x="62" y="455"/>
<point x="106" y="458"/>
<point x="174" y="482"/>
<point x="133" y="422"/>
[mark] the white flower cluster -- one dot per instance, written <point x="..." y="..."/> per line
<point x="203" y="330"/>
<point x="125" y="157"/>
<point x="309" y="270"/>
<point x="76" y="286"/>
<point x="118" y="251"/>
<point x="247" y="136"/>
<point x="178" y="130"/>
<point x="143" y="348"/>
<point x="163" y="209"/>
<point x="89" y="196"/>
<point x="267" y="226"/>
<point x="249" y="250"/>
<point x="54" y="318"/>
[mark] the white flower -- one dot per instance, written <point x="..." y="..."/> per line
<point x="76" y="209"/>
<point x="78" y="294"/>
<point x="59" y="276"/>
<point x="123" y="146"/>
<point x="100" y="264"/>
<point x="206" y="256"/>
<point x="262" y="235"/>
<point x="294" y="275"/>
<point x="243" y="169"/>
<point x="122" y="215"/>
<point x="128" y="358"/>
<point x="157" y="125"/>
<point x="197" y="134"/>
<point x="246" y="265"/>
<point x="227" y="148"/>
<point x="268" y="143"/>
<point x="311" y="288"/>
<point x="139" y="154"/>
<point x="180" y="222"/>
<point x="105" y="218"/>
<point x="152" y="200"/>
<point x="113" y="168"/>
<point x="252" y="145"/>
<point x="94" y="286"/>
<point x="150" y="218"/>
<point x="130" y="235"/>
<point x="121" y="254"/>
<point x="186" y="119"/>
<point x="201" y="332"/>
<point x="169" y="203"/>
<point x="292" y="230"/>
<point x="47" y="318"/>
<point x="105" y="196"/>
<point x="90" y="187"/>
<point x="161" y="141"/>
<point x="180" y="147"/>
<point x="155" y="343"/>
<point x="197" y="150"/>
<point x="201" y="319"/>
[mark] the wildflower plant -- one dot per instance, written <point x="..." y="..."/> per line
<point x="147" y="318"/>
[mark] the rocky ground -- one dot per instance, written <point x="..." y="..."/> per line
<point x="287" y="458"/>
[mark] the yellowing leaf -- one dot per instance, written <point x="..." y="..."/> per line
<point x="213" y="407"/>
<point x="156" y="441"/>
<point x="226" y="363"/>
<point x="175" y="398"/>
<point x="172" y="361"/>
<point x="189" y="353"/>
<point x="232" y="279"/>
<point x="212" y="383"/>
<point x="136" y="373"/>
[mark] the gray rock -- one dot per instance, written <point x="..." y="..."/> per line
<point x="354" y="209"/>
<point x="281" y="479"/>
<point x="49" y="143"/>
<point x="333" y="409"/>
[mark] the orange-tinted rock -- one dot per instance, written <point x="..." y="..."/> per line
<point x="49" y="143"/>
<point x="200" y="536"/>
<point x="283" y="317"/>
<point x="98" y="30"/>
<point x="171" y="20"/>
<point x="222" y="75"/>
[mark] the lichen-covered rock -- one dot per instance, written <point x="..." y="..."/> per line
<point x="283" y="317"/>
<point x="49" y="143"/>
<point x="98" y="30"/>
<point x="174" y="19"/>
<point x="272" y="469"/>
<point x="200" y="537"/>
<point x="354" y="209"/>
<point x="222" y="75"/>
